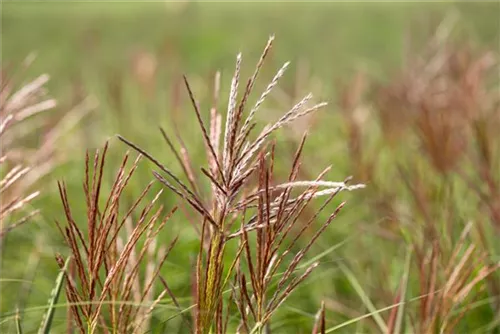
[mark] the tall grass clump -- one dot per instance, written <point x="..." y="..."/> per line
<point x="106" y="289"/>
<point x="21" y="167"/>
<point x="26" y="158"/>
<point x="245" y="206"/>
<point x="435" y="121"/>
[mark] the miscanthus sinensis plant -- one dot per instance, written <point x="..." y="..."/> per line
<point x="238" y="206"/>
<point x="244" y="206"/>
<point x="24" y="105"/>
<point x="20" y="167"/>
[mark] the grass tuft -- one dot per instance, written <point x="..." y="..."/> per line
<point x="268" y="210"/>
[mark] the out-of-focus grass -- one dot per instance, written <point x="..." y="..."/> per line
<point x="89" y="48"/>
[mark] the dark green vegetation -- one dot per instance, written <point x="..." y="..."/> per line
<point x="423" y="138"/>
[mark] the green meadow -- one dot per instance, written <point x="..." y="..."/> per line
<point x="413" y="105"/>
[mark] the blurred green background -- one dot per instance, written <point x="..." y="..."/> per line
<point x="129" y="57"/>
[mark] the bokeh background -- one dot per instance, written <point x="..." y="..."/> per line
<point x="118" y="67"/>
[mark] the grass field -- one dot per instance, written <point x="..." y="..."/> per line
<point x="413" y="113"/>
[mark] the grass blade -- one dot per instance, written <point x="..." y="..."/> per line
<point x="364" y="297"/>
<point x="401" y="308"/>
<point x="19" y="329"/>
<point x="47" y="319"/>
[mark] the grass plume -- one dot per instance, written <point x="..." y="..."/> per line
<point x="234" y="160"/>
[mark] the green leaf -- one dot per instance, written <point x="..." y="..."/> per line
<point x="398" y="328"/>
<point x="54" y="296"/>
<point x="18" y="323"/>
<point x="364" y="298"/>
